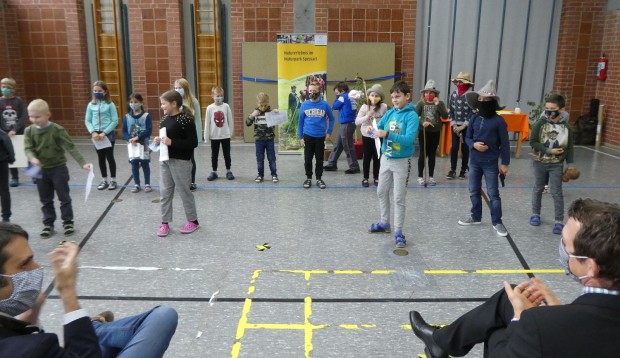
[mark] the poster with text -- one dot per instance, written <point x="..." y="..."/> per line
<point x="302" y="59"/>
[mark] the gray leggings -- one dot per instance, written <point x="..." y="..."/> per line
<point x="554" y="171"/>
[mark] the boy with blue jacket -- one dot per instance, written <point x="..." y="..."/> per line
<point x="312" y="130"/>
<point x="346" y="107"/>
<point x="398" y="127"/>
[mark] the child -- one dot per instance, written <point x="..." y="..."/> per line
<point x="346" y="108"/>
<point x="7" y="156"/>
<point x="45" y="143"/>
<point x="13" y="121"/>
<point x="398" y="127"/>
<point x="219" y="128"/>
<point x="137" y="129"/>
<point x="175" y="172"/>
<point x="264" y="137"/>
<point x="182" y="86"/>
<point x="487" y="137"/>
<point x="551" y="139"/>
<point x="430" y="109"/>
<point x="312" y="130"/>
<point x="460" y="113"/>
<point x="374" y="110"/>
<point x="101" y="121"/>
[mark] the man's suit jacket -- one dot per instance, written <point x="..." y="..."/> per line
<point x="17" y="341"/>
<point x="588" y="327"/>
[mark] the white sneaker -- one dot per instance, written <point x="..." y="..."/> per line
<point x="421" y="181"/>
<point x="501" y="230"/>
<point x="431" y="181"/>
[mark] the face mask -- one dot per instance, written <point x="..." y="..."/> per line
<point x="135" y="106"/>
<point x="98" y="95"/>
<point x="26" y="289"/>
<point x="429" y="97"/>
<point x="462" y="88"/>
<point x="7" y="92"/>
<point x="552" y="114"/>
<point x="263" y="108"/>
<point x="487" y="109"/>
<point x="219" y="100"/>
<point x="376" y="100"/>
<point x="180" y="91"/>
<point x="564" y="257"/>
<point x="315" y="96"/>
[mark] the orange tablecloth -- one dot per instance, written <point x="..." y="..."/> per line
<point x="518" y="123"/>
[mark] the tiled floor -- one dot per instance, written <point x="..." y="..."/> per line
<point x="325" y="287"/>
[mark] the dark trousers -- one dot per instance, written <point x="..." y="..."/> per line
<point x="314" y="148"/>
<point x="263" y="146"/>
<point x="432" y="141"/>
<point x="193" y="168"/>
<point x="486" y="323"/>
<point x="5" y="195"/>
<point x="215" y="152"/>
<point x="107" y="154"/>
<point x="55" y="180"/>
<point x="454" y="152"/>
<point x="370" y="154"/>
<point x="14" y="173"/>
<point x="135" y="170"/>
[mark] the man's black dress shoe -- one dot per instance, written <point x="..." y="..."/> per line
<point x="424" y="331"/>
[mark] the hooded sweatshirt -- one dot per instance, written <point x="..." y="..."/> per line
<point x="546" y="135"/>
<point x="402" y="127"/>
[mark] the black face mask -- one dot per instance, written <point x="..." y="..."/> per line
<point x="487" y="109"/>
<point x="314" y="95"/>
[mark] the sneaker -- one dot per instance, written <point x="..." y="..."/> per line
<point x="136" y="189"/>
<point x="230" y="176"/>
<point x="421" y="181"/>
<point x="147" y="188"/>
<point x="462" y="176"/>
<point x="431" y="181"/>
<point x="103" y="185"/>
<point x="352" y="171"/>
<point x="501" y="229"/>
<point x="14" y="182"/>
<point x="546" y="189"/>
<point x="365" y="183"/>
<point x="112" y="185"/>
<point x="68" y="229"/>
<point x="469" y="221"/>
<point x="163" y="231"/>
<point x="376" y="182"/>
<point x="557" y="228"/>
<point x="258" y="179"/>
<point x="103" y="317"/>
<point x="307" y="183"/>
<point x="212" y="176"/>
<point x="193" y="187"/>
<point x="275" y="179"/>
<point x="189" y="228"/>
<point x="379" y="227"/>
<point x="535" y="220"/>
<point x="321" y="184"/>
<point x="400" y="240"/>
<point x="330" y="168"/>
<point x="47" y="232"/>
<point x="451" y="175"/>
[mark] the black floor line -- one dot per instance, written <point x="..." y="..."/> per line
<point x="49" y="288"/>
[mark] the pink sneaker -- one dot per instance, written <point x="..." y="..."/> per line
<point x="189" y="228"/>
<point x="164" y="229"/>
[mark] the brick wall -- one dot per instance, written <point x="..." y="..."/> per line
<point x="609" y="91"/>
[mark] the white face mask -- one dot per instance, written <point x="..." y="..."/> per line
<point x="181" y="91"/>
<point x="564" y="260"/>
<point x="219" y="100"/>
<point x="26" y="288"/>
<point x="135" y="106"/>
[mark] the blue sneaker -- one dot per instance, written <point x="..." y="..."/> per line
<point x="400" y="240"/>
<point x="379" y="227"/>
<point x="535" y="220"/>
<point x="557" y="228"/>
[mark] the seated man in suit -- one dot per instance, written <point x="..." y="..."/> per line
<point x="527" y="320"/>
<point x="21" y="278"/>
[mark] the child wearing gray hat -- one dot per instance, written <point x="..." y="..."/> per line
<point x="370" y="112"/>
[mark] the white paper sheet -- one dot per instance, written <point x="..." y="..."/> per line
<point x="377" y="140"/>
<point x="101" y="144"/>
<point x="163" y="148"/>
<point x="89" y="182"/>
<point x="20" y="155"/>
<point x="275" y="118"/>
<point x="135" y="150"/>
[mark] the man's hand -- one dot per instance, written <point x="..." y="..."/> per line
<point x="548" y="295"/>
<point x="64" y="263"/>
<point x="520" y="297"/>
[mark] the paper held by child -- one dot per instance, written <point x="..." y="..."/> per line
<point x="163" y="148"/>
<point x="102" y="143"/>
<point x="89" y="182"/>
<point x="274" y="118"/>
<point x="135" y="150"/>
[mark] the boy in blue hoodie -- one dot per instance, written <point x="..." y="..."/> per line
<point x="398" y="127"/>
<point x="312" y="131"/>
<point x="487" y="137"/>
<point x="346" y="108"/>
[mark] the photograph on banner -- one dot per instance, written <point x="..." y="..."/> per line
<point x="302" y="59"/>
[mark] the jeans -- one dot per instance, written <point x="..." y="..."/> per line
<point x="145" y="335"/>
<point x="344" y="142"/>
<point x="135" y="171"/>
<point x="552" y="173"/>
<point x="261" y="147"/>
<point x="490" y="171"/>
<point x="313" y="148"/>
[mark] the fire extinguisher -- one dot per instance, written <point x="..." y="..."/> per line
<point x="601" y="68"/>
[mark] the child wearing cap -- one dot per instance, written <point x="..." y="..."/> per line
<point x="430" y="110"/>
<point x="369" y="112"/>
<point x="460" y="113"/>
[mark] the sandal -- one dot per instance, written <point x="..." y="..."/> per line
<point x="147" y="188"/>
<point x="136" y="189"/>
